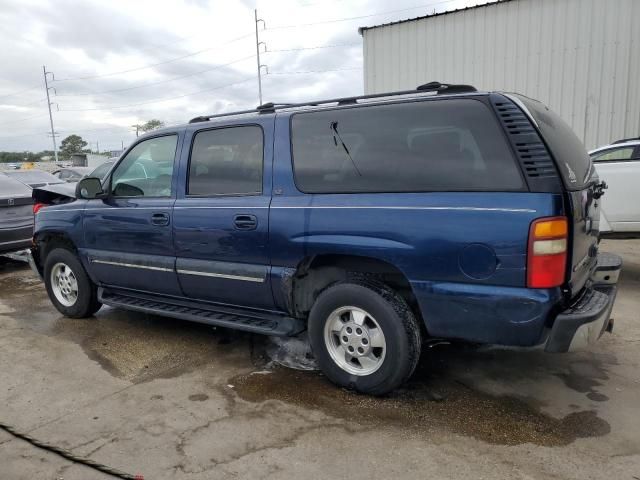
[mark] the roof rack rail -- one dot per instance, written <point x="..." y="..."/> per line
<point x="437" y="87"/>
<point x="625" y="140"/>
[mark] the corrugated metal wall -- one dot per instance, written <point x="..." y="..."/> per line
<point x="580" y="57"/>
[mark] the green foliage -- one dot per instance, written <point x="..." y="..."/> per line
<point x="18" y="157"/>
<point x="152" y="124"/>
<point x="72" y="144"/>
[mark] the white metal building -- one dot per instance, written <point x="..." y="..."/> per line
<point x="579" y="57"/>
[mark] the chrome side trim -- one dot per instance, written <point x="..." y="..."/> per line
<point x="221" y="275"/>
<point x="24" y="240"/>
<point x="471" y="209"/>
<point x="131" y="265"/>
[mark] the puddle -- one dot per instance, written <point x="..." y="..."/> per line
<point x="140" y="347"/>
<point x="445" y="404"/>
<point x="129" y="345"/>
<point x="8" y="265"/>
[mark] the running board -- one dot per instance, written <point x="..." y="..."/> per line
<point x="249" y="321"/>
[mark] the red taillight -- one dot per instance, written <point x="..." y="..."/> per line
<point x="547" y="252"/>
<point x="37" y="207"/>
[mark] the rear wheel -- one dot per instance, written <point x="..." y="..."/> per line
<point x="69" y="287"/>
<point x="364" y="337"/>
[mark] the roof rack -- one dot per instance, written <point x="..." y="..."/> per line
<point x="625" y="140"/>
<point x="437" y="87"/>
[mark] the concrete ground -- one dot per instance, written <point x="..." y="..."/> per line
<point x="171" y="400"/>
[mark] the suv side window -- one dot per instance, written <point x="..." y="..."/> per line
<point x="147" y="170"/>
<point x="614" y="155"/>
<point x="433" y="145"/>
<point x="226" y="161"/>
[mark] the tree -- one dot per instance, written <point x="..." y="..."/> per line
<point x="148" y="126"/>
<point x="72" y="144"/>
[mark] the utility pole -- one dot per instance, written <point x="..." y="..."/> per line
<point x="258" y="43"/>
<point x="137" y="127"/>
<point x="47" y="88"/>
<point x="97" y="147"/>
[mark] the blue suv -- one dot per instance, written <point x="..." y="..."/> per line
<point x="375" y="223"/>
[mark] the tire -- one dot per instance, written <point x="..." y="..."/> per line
<point x="69" y="287"/>
<point x="389" y="361"/>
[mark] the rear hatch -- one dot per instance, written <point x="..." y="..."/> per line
<point x="581" y="186"/>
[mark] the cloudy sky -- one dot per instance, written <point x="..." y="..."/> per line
<point x="120" y="62"/>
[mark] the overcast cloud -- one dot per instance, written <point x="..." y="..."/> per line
<point x="95" y="40"/>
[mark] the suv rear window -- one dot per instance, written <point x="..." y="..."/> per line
<point x="434" y="145"/>
<point x="568" y="150"/>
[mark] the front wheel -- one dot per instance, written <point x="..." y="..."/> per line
<point x="364" y="337"/>
<point x="69" y="287"/>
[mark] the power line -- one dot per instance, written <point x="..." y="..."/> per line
<point x="24" y="119"/>
<point x="27" y="104"/>
<point x="26" y="135"/>
<point x="348" y="19"/>
<point x="171" y="60"/>
<point x="313" y="48"/>
<point x="159" y="100"/>
<point x="158" y="82"/>
<point x="20" y="91"/>
<point x="315" y="71"/>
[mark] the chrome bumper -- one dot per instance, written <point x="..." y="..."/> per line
<point x="584" y="322"/>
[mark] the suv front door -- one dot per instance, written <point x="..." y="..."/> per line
<point x="128" y="234"/>
<point x="221" y="215"/>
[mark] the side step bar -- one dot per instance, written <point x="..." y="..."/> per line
<point x="249" y="321"/>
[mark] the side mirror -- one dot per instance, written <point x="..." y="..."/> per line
<point x="89" y="188"/>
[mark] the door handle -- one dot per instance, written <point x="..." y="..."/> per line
<point x="245" y="222"/>
<point x="160" y="219"/>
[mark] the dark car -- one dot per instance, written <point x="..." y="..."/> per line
<point x="101" y="170"/>
<point x="16" y="215"/>
<point x="375" y="223"/>
<point x="72" y="174"/>
<point x="33" y="178"/>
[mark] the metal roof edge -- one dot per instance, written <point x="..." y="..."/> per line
<point x="361" y="30"/>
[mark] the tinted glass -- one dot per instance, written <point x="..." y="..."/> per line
<point x="101" y="170"/>
<point x="411" y="147"/>
<point x="616" y="155"/>
<point x="226" y="161"/>
<point x="568" y="150"/>
<point x="147" y="169"/>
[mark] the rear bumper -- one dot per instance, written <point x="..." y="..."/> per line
<point x="584" y="322"/>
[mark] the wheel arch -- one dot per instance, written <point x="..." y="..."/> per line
<point x="315" y="273"/>
<point x="45" y="241"/>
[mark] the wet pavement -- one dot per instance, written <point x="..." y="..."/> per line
<point x="168" y="399"/>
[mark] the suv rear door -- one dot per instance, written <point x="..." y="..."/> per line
<point x="221" y="215"/>
<point x="580" y="180"/>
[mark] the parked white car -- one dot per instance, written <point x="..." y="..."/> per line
<point x="618" y="165"/>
